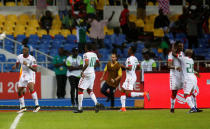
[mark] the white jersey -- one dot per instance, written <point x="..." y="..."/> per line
<point x="70" y="61"/>
<point x="187" y="67"/>
<point x="131" y="61"/>
<point x="29" y="60"/>
<point x="147" y="66"/>
<point x="91" y="57"/>
<point x="175" y="63"/>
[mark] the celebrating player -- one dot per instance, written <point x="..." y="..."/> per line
<point x="175" y="73"/>
<point x="87" y="78"/>
<point x="27" y="78"/>
<point x="190" y="80"/>
<point x="127" y="87"/>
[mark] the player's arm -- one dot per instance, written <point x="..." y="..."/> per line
<point x="33" y="67"/>
<point x="197" y="74"/>
<point x="85" y="66"/>
<point x="127" y="68"/>
<point x="16" y="65"/>
<point x="119" y="75"/>
<point x="97" y="64"/>
<point x="105" y="70"/>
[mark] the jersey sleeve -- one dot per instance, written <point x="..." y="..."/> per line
<point x="18" y="59"/>
<point x="105" y="69"/>
<point x="180" y="57"/>
<point x="170" y="57"/>
<point x="34" y="64"/>
<point x="68" y="62"/>
<point x="85" y="58"/>
<point x="97" y="60"/>
<point x="120" y="72"/>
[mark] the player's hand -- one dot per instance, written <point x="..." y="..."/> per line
<point x="179" y="69"/>
<point x="14" y="67"/>
<point x="112" y="80"/>
<point x="101" y="79"/>
<point x="82" y="74"/>
<point x="25" y="63"/>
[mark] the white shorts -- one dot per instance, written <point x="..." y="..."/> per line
<point x="129" y="83"/>
<point x="87" y="82"/>
<point x="190" y="85"/>
<point x="25" y="79"/>
<point x="176" y="82"/>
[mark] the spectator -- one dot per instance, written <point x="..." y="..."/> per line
<point x="97" y="30"/>
<point x="46" y="21"/>
<point x="41" y="6"/>
<point x="192" y="27"/>
<point x="124" y="19"/>
<point x="113" y="68"/>
<point x="74" y="64"/>
<point x="62" y="8"/>
<point x="68" y="22"/>
<point x="118" y="40"/>
<point x="133" y="33"/>
<point x="60" y="72"/>
<point x="161" y="21"/>
<point x="141" y="9"/>
<point x="90" y="7"/>
<point x="81" y="35"/>
<point x="147" y="64"/>
<point x="100" y="8"/>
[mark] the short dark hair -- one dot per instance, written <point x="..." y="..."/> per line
<point x="114" y="53"/>
<point x="133" y="48"/>
<point x="26" y="46"/>
<point x="125" y="6"/>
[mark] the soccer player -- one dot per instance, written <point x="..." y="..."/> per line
<point x="175" y="73"/>
<point x="27" y="78"/>
<point x="127" y="88"/>
<point x="190" y="80"/>
<point x="113" y="68"/>
<point x="87" y="79"/>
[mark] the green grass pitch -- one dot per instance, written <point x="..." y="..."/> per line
<point x="132" y="119"/>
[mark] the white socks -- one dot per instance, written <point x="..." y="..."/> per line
<point x="34" y="96"/>
<point x="80" y="99"/>
<point x="137" y="94"/>
<point x="189" y="102"/>
<point x="93" y="97"/>
<point x="194" y="100"/>
<point x="22" y="103"/>
<point x="173" y="103"/>
<point x="123" y="99"/>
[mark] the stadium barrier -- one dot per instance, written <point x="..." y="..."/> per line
<point x="158" y="86"/>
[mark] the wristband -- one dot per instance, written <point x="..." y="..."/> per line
<point x="28" y="65"/>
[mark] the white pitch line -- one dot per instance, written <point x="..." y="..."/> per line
<point x="15" y="122"/>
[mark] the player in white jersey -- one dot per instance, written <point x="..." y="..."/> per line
<point x="27" y="78"/>
<point x="88" y="77"/>
<point x="131" y="65"/>
<point x="190" y="80"/>
<point x="174" y="65"/>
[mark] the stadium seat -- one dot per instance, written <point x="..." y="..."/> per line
<point x="12" y="17"/>
<point x="158" y="32"/>
<point x="41" y="32"/>
<point x="34" y="23"/>
<point x="59" y="37"/>
<point x="2" y="58"/>
<point x="10" y="4"/>
<point x="65" y="32"/>
<point x="74" y="32"/>
<point x="132" y="17"/>
<point x="139" y="23"/>
<point x="174" y="17"/>
<point x="150" y="3"/>
<point x="19" y="30"/>
<point x="71" y="38"/>
<point x="110" y="32"/>
<point x="2" y="18"/>
<point x="46" y="37"/>
<point x="54" y="32"/>
<point x="31" y="30"/>
<point x="148" y="28"/>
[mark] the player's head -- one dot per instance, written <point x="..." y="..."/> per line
<point x="125" y="6"/>
<point x="88" y="47"/>
<point x="146" y="53"/>
<point x="114" y="57"/>
<point x="178" y="46"/>
<point x="61" y="51"/>
<point x="75" y="51"/>
<point x="189" y="52"/>
<point x="25" y="50"/>
<point x="131" y="50"/>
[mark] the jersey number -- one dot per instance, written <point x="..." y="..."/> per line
<point x="92" y="61"/>
<point x="190" y="68"/>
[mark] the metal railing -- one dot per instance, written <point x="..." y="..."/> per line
<point x="36" y="52"/>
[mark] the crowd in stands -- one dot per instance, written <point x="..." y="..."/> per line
<point x="84" y="22"/>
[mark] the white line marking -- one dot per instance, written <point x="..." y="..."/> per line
<point x="15" y="122"/>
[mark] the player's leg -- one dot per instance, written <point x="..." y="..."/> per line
<point x="104" y="90"/>
<point x="112" y="89"/>
<point x="173" y="92"/>
<point x="73" y="86"/>
<point x="188" y="89"/>
<point x="139" y="94"/>
<point x="123" y="96"/>
<point x="21" y="100"/>
<point x="34" y="96"/>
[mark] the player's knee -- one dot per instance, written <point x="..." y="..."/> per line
<point x="89" y="91"/>
<point x="80" y="90"/>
